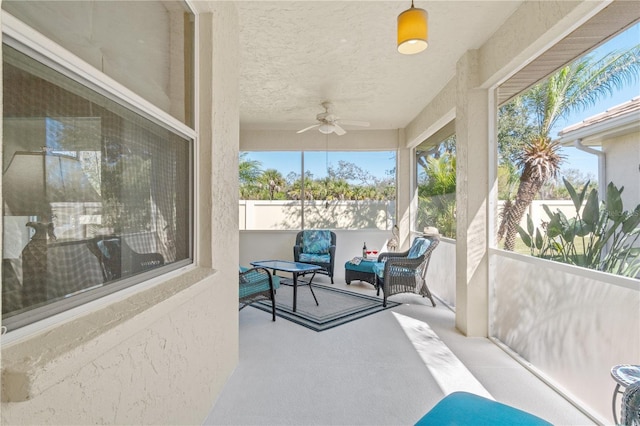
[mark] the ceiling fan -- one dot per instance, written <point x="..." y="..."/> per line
<point x="328" y="122"/>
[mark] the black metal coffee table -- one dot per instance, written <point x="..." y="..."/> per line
<point x="295" y="268"/>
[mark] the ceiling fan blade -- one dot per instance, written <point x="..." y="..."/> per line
<point x="338" y="130"/>
<point x="355" y="123"/>
<point x="307" y="128"/>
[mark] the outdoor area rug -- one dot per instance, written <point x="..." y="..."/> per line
<point x="336" y="307"/>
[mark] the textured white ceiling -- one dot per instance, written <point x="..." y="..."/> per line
<point x="296" y="54"/>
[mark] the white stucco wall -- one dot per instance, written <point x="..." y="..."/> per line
<point x="286" y="140"/>
<point x="160" y="352"/>
<point x="623" y="166"/>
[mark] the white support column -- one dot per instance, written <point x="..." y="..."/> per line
<point x="405" y="209"/>
<point x="218" y="124"/>
<point x="472" y="129"/>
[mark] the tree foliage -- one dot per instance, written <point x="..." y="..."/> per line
<point x="437" y="188"/>
<point x="347" y="181"/>
<point x="575" y="87"/>
<point x="598" y="237"/>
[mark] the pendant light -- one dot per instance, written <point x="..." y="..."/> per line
<point x="412" y="31"/>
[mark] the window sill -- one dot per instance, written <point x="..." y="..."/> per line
<point x="38" y="361"/>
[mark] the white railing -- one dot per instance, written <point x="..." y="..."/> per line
<point x="441" y="275"/>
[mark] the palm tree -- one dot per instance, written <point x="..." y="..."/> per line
<point x="249" y="173"/>
<point x="575" y="87"/>
<point x="539" y="161"/>
<point x="273" y="182"/>
<point x="437" y="196"/>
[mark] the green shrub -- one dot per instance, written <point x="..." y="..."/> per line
<point x="601" y="237"/>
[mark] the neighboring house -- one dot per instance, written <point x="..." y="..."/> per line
<point x="617" y="131"/>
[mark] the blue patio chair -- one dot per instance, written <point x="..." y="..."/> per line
<point x="404" y="272"/>
<point x="258" y="284"/>
<point x="317" y="247"/>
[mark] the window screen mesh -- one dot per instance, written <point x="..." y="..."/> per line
<point x="93" y="193"/>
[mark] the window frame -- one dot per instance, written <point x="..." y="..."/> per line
<point x="28" y="41"/>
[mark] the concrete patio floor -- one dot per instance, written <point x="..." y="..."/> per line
<point x="385" y="369"/>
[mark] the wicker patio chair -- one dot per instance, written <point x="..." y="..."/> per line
<point x="405" y="272"/>
<point x="257" y="284"/>
<point x="630" y="406"/>
<point x="317" y="247"/>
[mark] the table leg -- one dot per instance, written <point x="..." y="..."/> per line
<point x="311" y="288"/>
<point x="295" y="290"/>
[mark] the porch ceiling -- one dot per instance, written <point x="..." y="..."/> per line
<point x="296" y="54"/>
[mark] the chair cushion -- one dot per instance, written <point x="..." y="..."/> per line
<point x="263" y="286"/>
<point x="378" y="268"/>
<point x="418" y="248"/>
<point x="363" y="266"/>
<point x="463" y="408"/>
<point x="315" y="258"/>
<point x="316" y="241"/>
<point x="397" y="271"/>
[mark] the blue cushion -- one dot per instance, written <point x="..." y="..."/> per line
<point x="315" y="258"/>
<point x="463" y="408"/>
<point x="398" y="271"/>
<point x="316" y="241"/>
<point x="418" y="248"/>
<point x="364" y="266"/>
<point x="243" y="279"/>
<point x="262" y="284"/>
<point x="378" y="268"/>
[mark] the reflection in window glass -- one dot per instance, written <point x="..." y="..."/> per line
<point x="93" y="192"/>
<point x="150" y="51"/>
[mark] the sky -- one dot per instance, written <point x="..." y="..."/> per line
<point x="583" y="161"/>
<point x="379" y="162"/>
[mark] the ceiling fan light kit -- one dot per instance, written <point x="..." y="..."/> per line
<point x="326" y="128"/>
<point x="412" y="30"/>
<point x="330" y="123"/>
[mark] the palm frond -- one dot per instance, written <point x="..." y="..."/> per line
<point x="599" y="79"/>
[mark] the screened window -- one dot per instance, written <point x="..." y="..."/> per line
<point x="436" y="175"/>
<point x="565" y="155"/>
<point x="96" y="196"/>
<point x="340" y="190"/>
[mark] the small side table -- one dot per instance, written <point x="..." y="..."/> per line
<point x="624" y="375"/>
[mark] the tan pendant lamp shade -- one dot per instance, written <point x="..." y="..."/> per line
<point x="412" y="31"/>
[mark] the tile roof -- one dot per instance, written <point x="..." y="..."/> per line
<point x="629" y="107"/>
